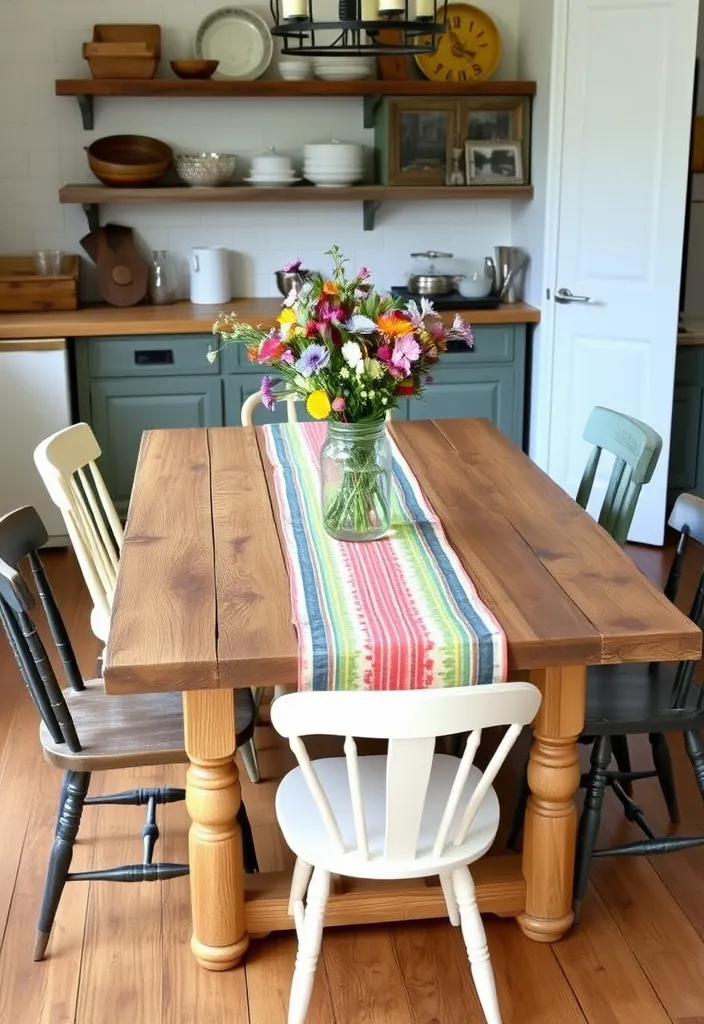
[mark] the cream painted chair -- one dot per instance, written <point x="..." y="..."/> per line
<point x="66" y="464"/>
<point x="411" y="813"/>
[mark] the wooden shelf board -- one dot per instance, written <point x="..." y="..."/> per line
<point x="102" y="194"/>
<point x="177" y="88"/>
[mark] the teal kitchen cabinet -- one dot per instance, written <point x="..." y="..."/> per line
<point x="686" y="470"/>
<point x="121" y="408"/>
<point x="126" y="385"/>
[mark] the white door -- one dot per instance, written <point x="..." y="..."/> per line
<point x="627" y="117"/>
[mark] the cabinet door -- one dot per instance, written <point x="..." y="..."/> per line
<point x="237" y="391"/>
<point x="121" y="409"/>
<point x="684" y="445"/>
<point x="489" y="393"/>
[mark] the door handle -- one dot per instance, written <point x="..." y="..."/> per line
<point x="564" y="295"/>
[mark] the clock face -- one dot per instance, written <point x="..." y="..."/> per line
<point x="470" y="49"/>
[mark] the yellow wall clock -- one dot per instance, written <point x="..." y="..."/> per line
<point x="470" y="49"/>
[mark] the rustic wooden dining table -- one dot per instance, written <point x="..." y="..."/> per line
<point x="202" y="606"/>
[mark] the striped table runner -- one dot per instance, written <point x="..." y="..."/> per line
<point x="394" y="614"/>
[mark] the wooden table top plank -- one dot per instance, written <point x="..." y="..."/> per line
<point x="162" y="634"/>
<point x="256" y="640"/>
<point x="634" y="619"/>
<point x="542" y="627"/>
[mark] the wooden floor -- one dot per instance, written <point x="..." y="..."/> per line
<point x="119" y="953"/>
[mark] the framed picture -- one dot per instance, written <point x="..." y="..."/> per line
<point x="422" y="133"/>
<point x="494" y="163"/>
<point x="491" y="125"/>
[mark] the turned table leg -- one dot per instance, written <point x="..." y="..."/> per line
<point x="215" y="843"/>
<point x="551" y="818"/>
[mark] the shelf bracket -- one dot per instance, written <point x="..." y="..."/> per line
<point x="92" y="212"/>
<point x="371" y="105"/>
<point x="370" y="208"/>
<point x="85" y="104"/>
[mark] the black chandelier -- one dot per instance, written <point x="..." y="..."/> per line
<point x="365" y="27"/>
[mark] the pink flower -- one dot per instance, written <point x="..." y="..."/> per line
<point x="287" y="357"/>
<point x="463" y="330"/>
<point x="270" y="349"/>
<point x="328" y="312"/>
<point x="338" y="405"/>
<point x="406" y="350"/>
<point x="293" y="267"/>
<point x="363" y="274"/>
<point x="384" y="353"/>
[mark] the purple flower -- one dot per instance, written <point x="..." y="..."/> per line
<point x="363" y="274"/>
<point x="287" y="357"/>
<point x="428" y="379"/>
<point x="293" y="267"/>
<point x="266" y="390"/>
<point x="463" y="331"/>
<point x="313" y="359"/>
<point x="406" y="350"/>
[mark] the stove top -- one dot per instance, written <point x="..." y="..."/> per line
<point x="452" y="301"/>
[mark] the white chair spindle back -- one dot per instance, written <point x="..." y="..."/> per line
<point x="411" y="721"/>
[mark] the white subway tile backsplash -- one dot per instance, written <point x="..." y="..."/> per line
<point x="43" y="147"/>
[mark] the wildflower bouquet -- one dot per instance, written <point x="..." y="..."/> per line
<point x="350" y="354"/>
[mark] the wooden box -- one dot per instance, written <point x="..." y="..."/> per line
<point x="124" y="51"/>
<point x="22" y="290"/>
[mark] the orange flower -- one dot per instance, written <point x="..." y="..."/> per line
<point x="252" y="353"/>
<point x="393" y="325"/>
<point x="330" y="288"/>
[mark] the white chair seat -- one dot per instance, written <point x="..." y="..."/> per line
<point x="306" y="834"/>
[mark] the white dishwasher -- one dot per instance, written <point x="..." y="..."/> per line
<point x="35" y="401"/>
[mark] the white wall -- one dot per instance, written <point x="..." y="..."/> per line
<point x="42" y="148"/>
<point x="694" y="295"/>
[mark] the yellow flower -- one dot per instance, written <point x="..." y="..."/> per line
<point x="318" y="405"/>
<point x="287" y="316"/>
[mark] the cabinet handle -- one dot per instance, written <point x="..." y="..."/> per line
<point x="155" y="357"/>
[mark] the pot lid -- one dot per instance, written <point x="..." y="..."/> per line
<point x="427" y="264"/>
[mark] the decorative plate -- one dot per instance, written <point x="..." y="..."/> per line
<point x="239" y="39"/>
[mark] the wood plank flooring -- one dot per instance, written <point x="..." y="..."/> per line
<point x="119" y="954"/>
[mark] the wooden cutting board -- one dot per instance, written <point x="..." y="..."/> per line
<point x="123" y="276"/>
<point x="394" y="67"/>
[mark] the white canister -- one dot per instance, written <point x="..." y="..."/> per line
<point x="210" y="276"/>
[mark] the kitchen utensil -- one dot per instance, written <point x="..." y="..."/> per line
<point x="288" y="279"/>
<point x="23" y="290"/>
<point x="508" y="272"/>
<point x="129" y="161"/>
<point x="298" y="69"/>
<point x="194" y="68"/>
<point x="162" y="279"/>
<point x="205" y="170"/>
<point x="123" y="276"/>
<point x="428" y="282"/>
<point x="239" y="39"/>
<point x="49" y="262"/>
<point x="210" y="276"/>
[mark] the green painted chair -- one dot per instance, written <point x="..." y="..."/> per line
<point x="636" y="448"/>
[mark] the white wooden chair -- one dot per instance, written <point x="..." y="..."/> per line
<point x="411" y="813"/>
<point x="66" y="464"/>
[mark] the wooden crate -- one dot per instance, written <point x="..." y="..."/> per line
<point x="22" y="290"/>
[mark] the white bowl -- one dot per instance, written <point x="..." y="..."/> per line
<point x="330" y="180"/>
<point x="271" y="162"/>
<point x="272" y="172"/>
<point x="334" y="151"/>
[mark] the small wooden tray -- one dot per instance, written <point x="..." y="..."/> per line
<point x="22" y="290"/>
<point x="124" y="51"/>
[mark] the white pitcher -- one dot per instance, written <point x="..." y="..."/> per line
<point x="210" y="276"/>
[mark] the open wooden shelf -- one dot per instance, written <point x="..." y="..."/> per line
<point x="92" y="197"/>
<point x="86" y="89"/>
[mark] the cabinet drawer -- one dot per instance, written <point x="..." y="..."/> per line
<point x="151" y="356"/>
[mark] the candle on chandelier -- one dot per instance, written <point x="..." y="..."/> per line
<point x="294" y="10"/>
<point x="393" y="7"/>
<point x="370" y="10"/>
<point x="425" y="10"/>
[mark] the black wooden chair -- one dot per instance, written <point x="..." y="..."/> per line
<point x="624" y="700"/>
<point x="83" y="730"/>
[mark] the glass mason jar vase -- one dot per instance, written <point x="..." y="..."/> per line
<point x="355" y="463"/>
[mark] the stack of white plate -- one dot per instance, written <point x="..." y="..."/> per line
<point x="296" y="69"/>
<point x="271" y="170"/>
<point x="343" y="69"/>
<point x="333" y="164"/>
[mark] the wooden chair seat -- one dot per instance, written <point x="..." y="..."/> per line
<point x="130" y="731"/>
<point x="636" y="698"/>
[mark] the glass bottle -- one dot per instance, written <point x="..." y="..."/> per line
<point x="355" y="463"/>
<point x="162" y="279"/>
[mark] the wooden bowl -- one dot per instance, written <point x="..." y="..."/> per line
<point x="129" y="161"/>
<point x="194" y="68"/>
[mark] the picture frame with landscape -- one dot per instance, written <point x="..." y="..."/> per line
<point x="421" y="139"/>
<point x="494" y="163"/>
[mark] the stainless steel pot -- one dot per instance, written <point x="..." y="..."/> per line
<point x="288" y="279"/>
<point x="428" y="283"/>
